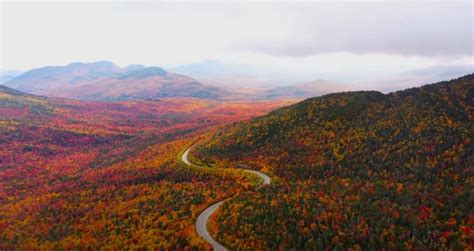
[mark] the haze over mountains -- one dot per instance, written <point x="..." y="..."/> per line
<point x="105" y="81"/>
<point x="253" y="76"/>
<point x="6" y="75"/>
<point x="210" y="79"/>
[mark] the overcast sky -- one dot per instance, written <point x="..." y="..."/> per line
<point x="320" y="36"/>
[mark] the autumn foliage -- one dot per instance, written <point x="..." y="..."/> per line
<point x="90" y="175"/>
<point x="356" y="170"/>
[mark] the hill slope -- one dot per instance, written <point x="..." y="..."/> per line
<point x="106" y="81"/>
<point x="358" y="168"/>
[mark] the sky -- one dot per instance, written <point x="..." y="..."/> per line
<point x="348" y="38"/>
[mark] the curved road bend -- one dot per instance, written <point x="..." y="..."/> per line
<point x="203" y="218"/>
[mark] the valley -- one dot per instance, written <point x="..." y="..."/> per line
<point x="77" y="174"/>
<point x="237" y="125"/>
<point x="351" y="170"/>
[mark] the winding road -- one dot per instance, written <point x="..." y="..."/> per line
<point x="203" y="218"/>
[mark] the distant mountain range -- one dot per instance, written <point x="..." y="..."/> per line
<point x="6" y="75"/>
<point x="305" y="90"/>
<point x="210" y="79"/>
<point x="106" y="81"/>
<point x="248" y="88"/>
<point x="214" y="68"/>
<point x="419" y="77"/>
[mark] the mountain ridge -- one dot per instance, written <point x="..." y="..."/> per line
<point x="104" y="80"/>
<point x="354" y="166"/>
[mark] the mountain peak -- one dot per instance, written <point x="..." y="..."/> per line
<point x="102" y="63"/>
<point x="134" y="67"/>
<point x="144" y="73"/>
<point x="104" y="80"/>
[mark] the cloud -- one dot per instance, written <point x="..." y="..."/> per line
<point x="38" y="34"/>
<point x="420" y="29"/>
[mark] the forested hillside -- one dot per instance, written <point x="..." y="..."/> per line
<point x="90" y="175"/>
<point x="356" y="170"/>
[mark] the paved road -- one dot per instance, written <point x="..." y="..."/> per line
<point x="184" y="157"/>
<point x="201" y="226"/>
<point x="203" y="218"/>
<point x="264" y="177"/>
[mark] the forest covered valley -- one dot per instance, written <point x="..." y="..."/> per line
<point x="85" y="175"/>
<point x="306" y="125"/>
<point x="354" y="170"/>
